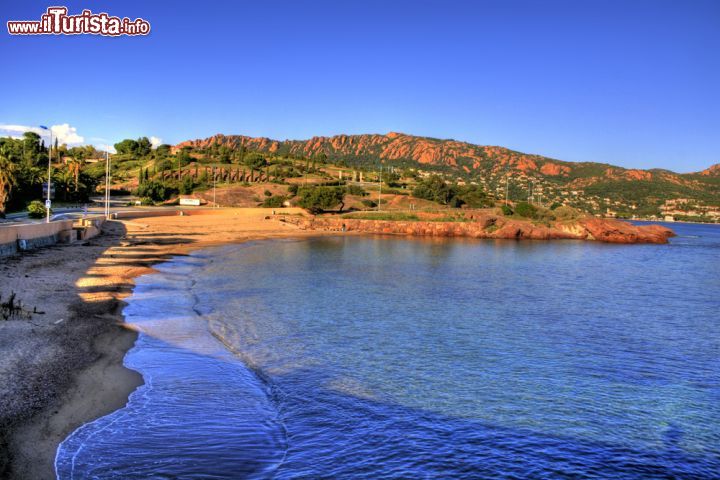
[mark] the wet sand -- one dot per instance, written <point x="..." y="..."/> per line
<point x="63" y="368"/>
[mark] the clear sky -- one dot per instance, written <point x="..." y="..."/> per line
<point x="633" y="83"/>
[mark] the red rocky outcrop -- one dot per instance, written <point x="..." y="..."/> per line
<point x="497" y="227"/>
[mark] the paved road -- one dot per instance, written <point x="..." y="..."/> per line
<point x="77" y="212"/>
<point x="23" y="216"/>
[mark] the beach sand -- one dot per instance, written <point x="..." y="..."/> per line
<point x="63" y="368"/>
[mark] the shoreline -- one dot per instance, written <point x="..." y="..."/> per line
<point x="93" y="381"/>
<point x="82" y="380"/>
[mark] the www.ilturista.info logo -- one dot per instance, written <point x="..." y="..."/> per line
<point x="56" y="21"/>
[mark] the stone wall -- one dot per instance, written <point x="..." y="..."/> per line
<point x="14" y="238"/>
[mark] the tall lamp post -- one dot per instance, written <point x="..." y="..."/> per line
<point x="48" y="201"/>
<point x="107" y="182"/>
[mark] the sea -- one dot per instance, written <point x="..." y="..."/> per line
<point x="381" y="357"/>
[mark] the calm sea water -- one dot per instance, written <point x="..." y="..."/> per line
<point x="376" y="357"/>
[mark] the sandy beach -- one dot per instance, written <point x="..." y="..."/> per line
<point x="63" y="367"/>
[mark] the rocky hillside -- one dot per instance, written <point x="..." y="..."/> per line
<point x="398" y="148"/>
<point x="713" y="171"/>
<point x="593" y="186"/>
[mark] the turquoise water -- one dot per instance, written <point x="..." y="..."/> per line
<point x="384" y="357"/>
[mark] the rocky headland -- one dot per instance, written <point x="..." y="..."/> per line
<point x="488" y="225"/>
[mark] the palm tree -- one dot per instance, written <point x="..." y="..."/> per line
<point x="7" y="181"/>
<point x="74" y="167"/>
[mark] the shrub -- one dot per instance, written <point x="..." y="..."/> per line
<point x="567" y="213"/>
<point x="319" y="199"/>
<point x="274" y="202"/>
<point x="183" y="159"/>
<point x="506" y="210"/>
<point x="163" y="165"/>
<point x="356" y="190"/>
<point x="155" y="191"/>
<point x="474" y="197"/>
<point x="544" y="214"/>
<point x="524" y="209"/>
<point x="293" y="190"/>
<point x="455" y="202"/>
<point x="435" y="189"/>
<point x="369" y="203"/>
<point x="36" y="209"/>
<point x="255" y="160"/>
<point x="187" y="186"/>
<point x="267" y="193"/>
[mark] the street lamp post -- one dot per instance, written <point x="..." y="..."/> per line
<point x="48" y="201"/>
<point x="107" y="183"/>
<point x="214" y="189"/>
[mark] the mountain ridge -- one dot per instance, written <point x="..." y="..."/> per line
<point x="600" y="188"/>
<point x="423" y="150"/>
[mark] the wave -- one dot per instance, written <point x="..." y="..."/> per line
<point x="201" y="409"/>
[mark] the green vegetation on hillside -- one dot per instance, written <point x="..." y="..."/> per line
<point x="316" y="172"/>
<point x="436" y="189"/>
<point x="320" y="199"/>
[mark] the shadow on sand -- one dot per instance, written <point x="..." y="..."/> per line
<point x="39" y="387"/>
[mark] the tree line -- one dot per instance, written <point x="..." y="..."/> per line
<point x="23" y="170"/>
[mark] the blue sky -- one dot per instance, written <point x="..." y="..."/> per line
<point x="633" y="83"/>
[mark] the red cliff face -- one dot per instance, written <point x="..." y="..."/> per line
<point x="553" y="169"/>
<point x="465" y="156"/>
<point x="495" y="227"/>
<point x="713" y="171"/>
<point x="394" y="146"/>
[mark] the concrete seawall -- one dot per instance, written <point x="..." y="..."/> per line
<point x="15" y="238"/>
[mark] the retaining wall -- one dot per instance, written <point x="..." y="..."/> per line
<point x="88" y="227"/>
<point x="34" y="235"/>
